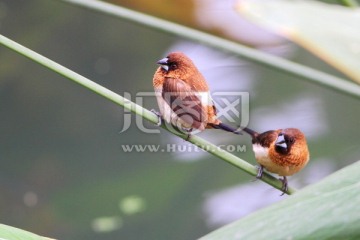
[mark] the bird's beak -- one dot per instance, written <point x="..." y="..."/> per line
<point x="280" y="142"/>
<point x="164" y="63"/>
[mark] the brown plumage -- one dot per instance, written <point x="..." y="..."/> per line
<point x="282" y="151"/>
<point x="183" y="95"/>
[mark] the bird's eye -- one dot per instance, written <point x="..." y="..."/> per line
<point x="291" y="140"/>
<point x="173" y="66"/>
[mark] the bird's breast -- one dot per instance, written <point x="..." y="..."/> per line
<point x="264" y="159"/>
<point x="261" y="153"/>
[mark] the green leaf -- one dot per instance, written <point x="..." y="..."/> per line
<point x="11" y="233"/>
<point x="329" y="209"/>
<point x="329" y="31"/>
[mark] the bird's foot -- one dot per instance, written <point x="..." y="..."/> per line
<point x="159" y="117"/>
<point x="187" y="131"/>
<point x="260" y="172"/>
<point x="284" y="187"/>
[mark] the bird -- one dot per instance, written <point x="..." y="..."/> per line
<point x="282" y="151"/>
<point x="183" y="96"/>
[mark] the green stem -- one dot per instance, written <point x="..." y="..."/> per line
<point x="350" y="3"/>
<point x="306" y="73"/>
<point x="114" y="97"/>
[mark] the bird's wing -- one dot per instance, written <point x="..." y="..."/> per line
<point x="185" y="102"/>
<point x="265" y="139"/>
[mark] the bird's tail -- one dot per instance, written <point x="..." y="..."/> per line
<point x="251" y="132"/>
<point x="238" y="131"/>
<point x="226" y="128"/>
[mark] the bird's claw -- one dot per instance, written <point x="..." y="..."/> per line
<point x="159" y="117"/>
<point x="284" y="187"/>
<point x="188" y="133"/>
<point x="260" y="172"/>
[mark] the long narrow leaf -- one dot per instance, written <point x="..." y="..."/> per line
<point x="11" y="233"/>
<point x="329" y="31"/>
<point x="305" y="73"/>
<point x="328" y="209"/>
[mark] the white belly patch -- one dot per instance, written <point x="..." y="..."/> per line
<point x="261" y="153"/>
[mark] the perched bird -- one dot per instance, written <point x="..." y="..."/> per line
<point x="282" y="151"/>
<point x="183" y="95"/>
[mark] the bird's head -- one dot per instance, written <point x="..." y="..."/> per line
<point x="176" y="65"/>
<point x="289" y="138"/>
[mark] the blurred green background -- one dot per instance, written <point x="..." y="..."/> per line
<point x="64" y="173"/>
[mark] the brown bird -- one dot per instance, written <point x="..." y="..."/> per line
<point x="183" y="95"/>
<point x="282" y="151"/>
